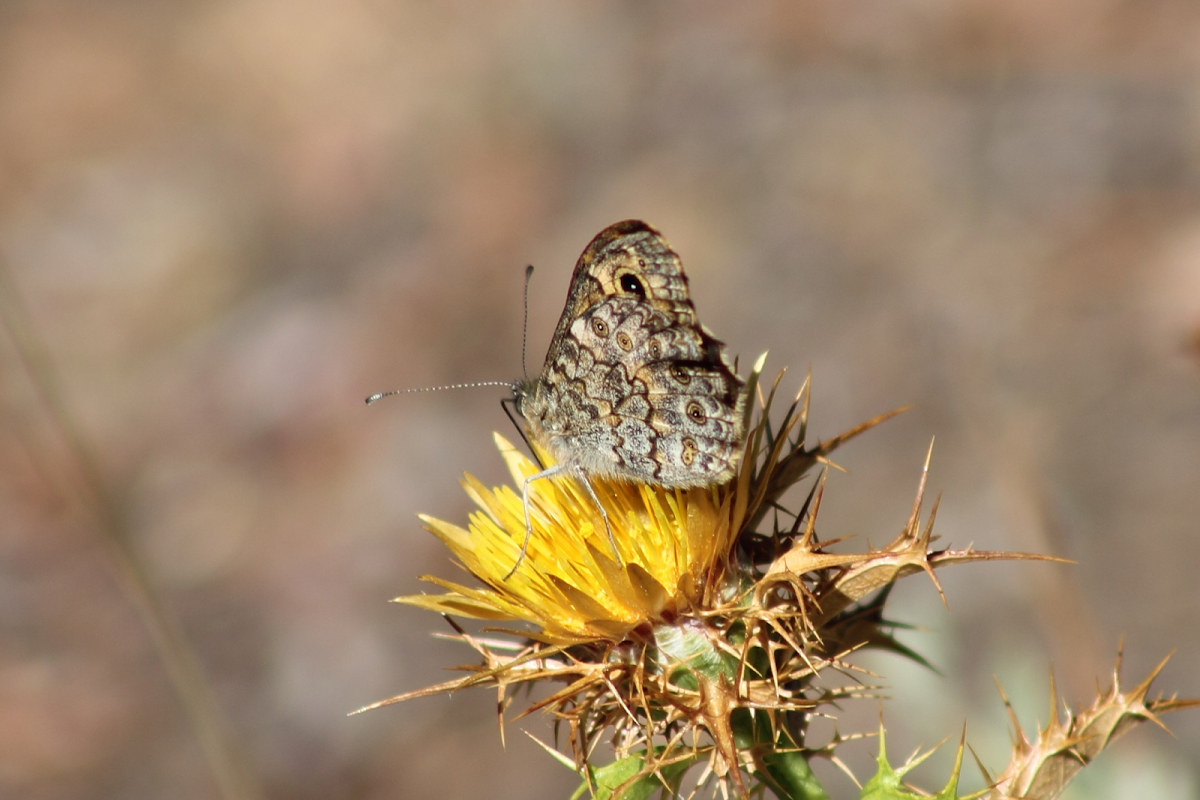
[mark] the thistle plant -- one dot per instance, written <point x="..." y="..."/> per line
<point x="723" y="631"/>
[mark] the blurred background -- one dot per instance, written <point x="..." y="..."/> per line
<point x="228" y="221"/>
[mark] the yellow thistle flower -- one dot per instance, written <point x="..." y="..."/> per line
<point x="671" y="543"/>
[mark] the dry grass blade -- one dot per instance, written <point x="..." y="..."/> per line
<point x="90" y="491"/>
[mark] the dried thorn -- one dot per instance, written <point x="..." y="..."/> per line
<point x="807" y="539"/>
<point x="987" y="776"/>
<point x="845" y="436"/>
<point x="833" y="464"/>
<point x="914" y="517"/>
<point x="1018" y="733"/>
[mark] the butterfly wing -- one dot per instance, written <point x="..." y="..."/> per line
<point x="628" y="258"/>
<point x="634" y="387"/>
<point x="675" y="403"/>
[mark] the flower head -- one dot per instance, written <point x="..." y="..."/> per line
<point x="672" y="544"/>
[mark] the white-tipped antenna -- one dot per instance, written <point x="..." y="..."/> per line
<point x="381" y="395"/>
<point x="507" y="384"/>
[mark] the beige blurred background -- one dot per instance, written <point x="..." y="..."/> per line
<point x="231" y="220"/>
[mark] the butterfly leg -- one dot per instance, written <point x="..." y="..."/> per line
<point x="546" y="473"/>
<point x="582" y="478"/>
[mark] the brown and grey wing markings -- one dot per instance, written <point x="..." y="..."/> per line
<point x="634" y="387"/>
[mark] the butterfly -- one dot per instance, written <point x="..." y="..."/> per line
<point x="633" y="388"/>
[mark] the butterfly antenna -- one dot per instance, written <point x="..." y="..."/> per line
<point x="525" y="322"/>
<point x="373" y="398"/>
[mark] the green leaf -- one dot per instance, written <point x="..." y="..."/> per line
<point x="887" y="783"/>
<point x="780" y="764"/>
<point x="633" y="779"/>
<point x="791" y="776"/>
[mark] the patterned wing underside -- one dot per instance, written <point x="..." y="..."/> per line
<point x="633" y="386"/>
